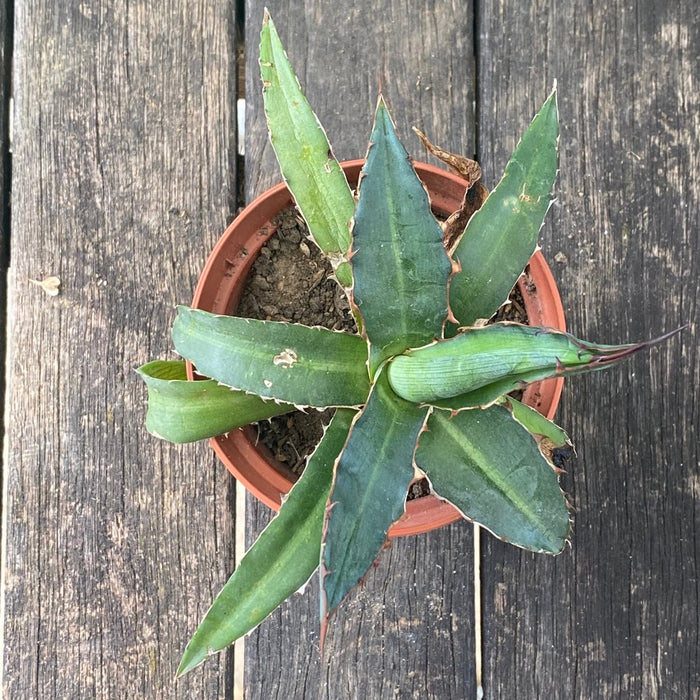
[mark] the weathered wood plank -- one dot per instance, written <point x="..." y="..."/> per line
<point x="123" y="152"/>
<point x="617" y="616"/>
<point x="408" y="632"/>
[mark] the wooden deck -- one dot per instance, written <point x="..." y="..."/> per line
<point x="124" y="170"/>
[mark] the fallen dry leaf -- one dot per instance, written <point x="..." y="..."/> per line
<point x="49" y="284"/>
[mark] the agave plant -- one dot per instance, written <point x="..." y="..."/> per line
<point x="423" y="388"/>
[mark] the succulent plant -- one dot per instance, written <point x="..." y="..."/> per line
<point x="423" y="388"/>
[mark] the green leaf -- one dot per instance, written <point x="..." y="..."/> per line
<point x="281" y="561"/>
<point x="502" y="236"/>
<point x="487" y="395"/>
<point x="369" y="490"/>
<point x="497" y="358"/>
<point x="308" y="165"/>
<point x="535" y="423"/>
<point x="490" y="468"/>
<point x="282" y="361"/>
<point x="399" y="263"/>
<point x="184" y="411"/>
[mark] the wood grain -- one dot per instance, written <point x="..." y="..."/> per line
<point x="408" y="632"/>
<point x="617" y="616"/>
<point x="116" y="542"/>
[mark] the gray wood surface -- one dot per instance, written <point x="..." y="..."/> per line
<point x="617" y="616"/>
<point x="124" y="174"/>
<point x="116" y="542"/>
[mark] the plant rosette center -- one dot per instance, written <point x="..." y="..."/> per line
<point x="289" y="281"/>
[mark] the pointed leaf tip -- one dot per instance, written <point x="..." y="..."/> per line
<point x="383" y="115"/>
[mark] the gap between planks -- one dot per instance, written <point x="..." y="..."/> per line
<point x="478" y="657"/>
<point x="239" y="549"/>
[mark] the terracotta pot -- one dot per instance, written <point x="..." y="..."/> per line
<point x="220" y="287"/>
